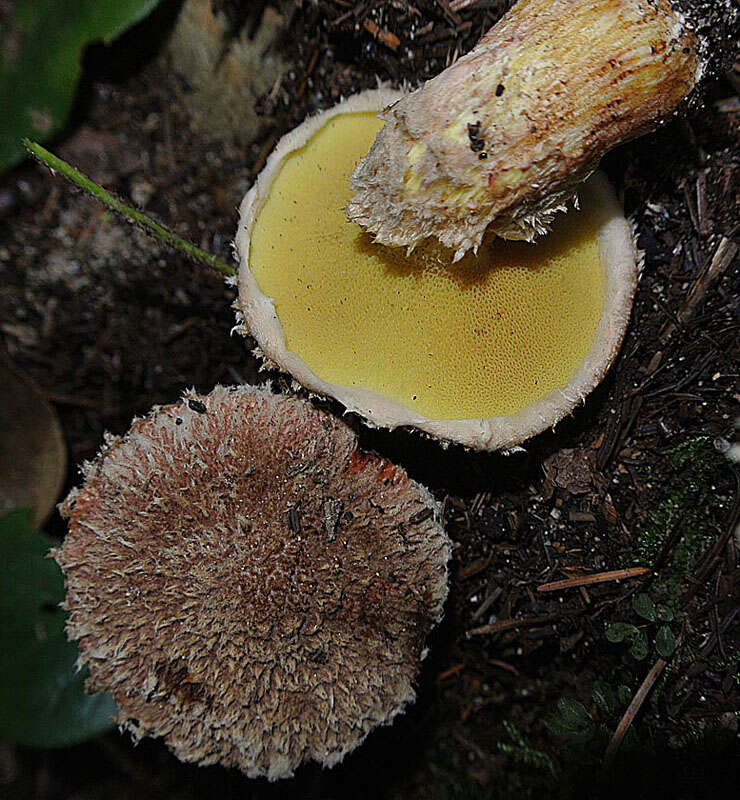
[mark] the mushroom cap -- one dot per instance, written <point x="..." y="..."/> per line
<point x="248" y="584"/>
<point x="615" y="271"/>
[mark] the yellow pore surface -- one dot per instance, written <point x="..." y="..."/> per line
<point x="483" y="337"/>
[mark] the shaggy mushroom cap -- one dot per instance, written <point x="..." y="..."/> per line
<point x="248" y="584"/>
<point x="487" y="351"/>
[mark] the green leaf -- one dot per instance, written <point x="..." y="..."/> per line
<point x="574" y="712"/>
<point x="516" y="737"/>
<point x="640" y="646"/>
<point x="559" y="726"/>
<point x="603" y="696"/>
<point x="42" y="697"/>
<point x="624" y="695"/>
<point x="664" y="613"/>
<point x="665" y="642"/>
<point x="644" y="606"/>
<point x="619" y="631"/>
<point x="40" y="54"/>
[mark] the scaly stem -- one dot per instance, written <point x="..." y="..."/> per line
<point x="130" y="214"/>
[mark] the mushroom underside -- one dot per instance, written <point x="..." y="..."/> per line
<point x="487" y="351"/>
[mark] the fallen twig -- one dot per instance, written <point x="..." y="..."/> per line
<point x="496" y="662"/>
<point x="57" y="398"/>
<point x="508" y="624"/>
<point x="600" y="577"/>
<point x="632" y="710"/>
<point x="448" y="673"/>
<point x="381" y="34"/>
<point x="620" y="424"/>
<point x="721" y="260"/>
<point x="264" y="152"/>
<point x="307" y="75"/>
<point x="487" y="603"/>
<point x="449" y="12"/>
<point x="475" y="567"/>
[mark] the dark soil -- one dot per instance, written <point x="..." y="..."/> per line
<point x="109" y="323"/>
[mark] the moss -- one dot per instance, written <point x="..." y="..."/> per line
<point x="684" y="482"/>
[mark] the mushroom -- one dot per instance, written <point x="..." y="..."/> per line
<point x="248" y="584"/>
<point x="486" y="352"/>
<point x="502" y="138"/>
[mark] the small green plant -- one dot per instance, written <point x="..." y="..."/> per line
<point x="455" y="785"/>
<point x="521" y="752"/>
<point x="572" y="719"/>
<point x="584" y="733"/>
<point x="611" y="700"/>
<point x="677" y="532"/>
<point x="656" y="627"/>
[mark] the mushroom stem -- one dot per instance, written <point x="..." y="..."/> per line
<point x="505" y="135"/>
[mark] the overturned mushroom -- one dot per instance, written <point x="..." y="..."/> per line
<point x="486" y="352"/>
<point x="248" y="584"/>
<point x="502" y="138"/>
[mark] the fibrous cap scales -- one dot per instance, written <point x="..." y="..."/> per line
<point x="248" y="584"/>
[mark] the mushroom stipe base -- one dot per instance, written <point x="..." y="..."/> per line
<point x="486" y="351"/>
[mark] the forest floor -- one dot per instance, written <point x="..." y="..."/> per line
<point x="524" y="687"/>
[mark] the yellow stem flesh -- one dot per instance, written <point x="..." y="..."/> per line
<point x="483" y="337"/>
